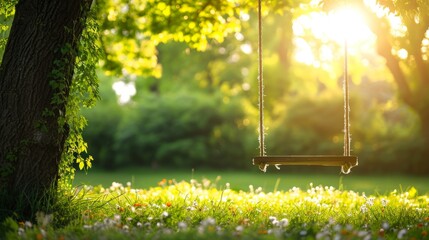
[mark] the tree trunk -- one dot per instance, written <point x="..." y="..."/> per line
<point x="35" y="77"/>
<point x="424" y="123"/>
<point x="413" y="89"/>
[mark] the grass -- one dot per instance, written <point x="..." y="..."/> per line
<point x="270" y="181"/>
<point x="206" y="210"/>
<point x="167" y="204"/>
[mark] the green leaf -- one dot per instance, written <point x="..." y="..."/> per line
<point x="81" y="165"/>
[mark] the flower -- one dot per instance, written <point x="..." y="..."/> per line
<point x="363" y="208"/>
<point x="162" y="182"/>
<point x="138" y="205"/>
<point x="402" y="233"/>
<point x="284" y="222"/>
<point x="370" y="201"/>
<point x="182" y="226"/>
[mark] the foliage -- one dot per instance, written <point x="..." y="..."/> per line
<point x="132" y="31"/>
<point x="83" y="93"/>
<point x="181" y="129"/>
<point x="7" y="12"/>
<point x="205" y="210"/>
<point x="306" y="127"/>
<point x="303" y="110"/>
<point x="381" y="137"/>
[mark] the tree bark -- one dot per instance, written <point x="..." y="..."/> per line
<point x="37" y="66"/>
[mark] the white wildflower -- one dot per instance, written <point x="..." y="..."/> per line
<point x="322" y="235"/>
<point x="87" y="227"/>
<point x="349" y="227"/>
<point x="28" y="224"/>
<point x="363" y="208"/>
<point x="21" y="231"/>
<point x="182" y="225"/>
<point x="201" y="229"/>
<point x="284" y="222"/>
<point x="362" y="234"/>
<point x="44" y="219"/>
<point x="275" y="223"/>
<point x="337" y="228"/>
<point x="43" y="232"/>
<point x="191" y="208"/>
<point x="208" y="221"/>
<point x="401" y="233"/>
<point x="370" y="201"/>
<point x="206" y="183"/>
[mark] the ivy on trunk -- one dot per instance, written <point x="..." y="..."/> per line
<point x="35" y="78"/>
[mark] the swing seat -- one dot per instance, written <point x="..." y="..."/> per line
<point x="345" y="162"/>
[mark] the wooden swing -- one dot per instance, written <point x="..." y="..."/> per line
<point x="345" y="161"/>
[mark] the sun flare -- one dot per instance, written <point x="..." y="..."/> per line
<point x="338" y="26"/>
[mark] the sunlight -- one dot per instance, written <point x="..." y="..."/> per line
<point x="348" y="24"/>
<point x="343" y="24"/>
<point x="124" y="91"/>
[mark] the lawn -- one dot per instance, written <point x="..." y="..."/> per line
<point x="270" y="181"/>
<point x="204" y="210"/>
<point x="178" y="204"/>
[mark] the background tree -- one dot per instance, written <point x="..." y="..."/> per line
<point x="410" y="68"/>
<point x="405" y="50"/>
<point x="404" y="47"/>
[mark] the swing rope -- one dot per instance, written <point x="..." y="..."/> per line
<point x="261" y="85"/>
<point x="346" y="161"/>
<point x="347" y="138"/>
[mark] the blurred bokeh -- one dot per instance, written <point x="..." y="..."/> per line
<point x="199" y="109"/>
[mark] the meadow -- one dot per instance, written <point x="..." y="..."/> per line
<point x="167" y="204"/>
<point x="273" y="180"/>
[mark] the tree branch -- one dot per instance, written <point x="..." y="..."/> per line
<point x="416" y="34"/>
<point x="381" y="28"/>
